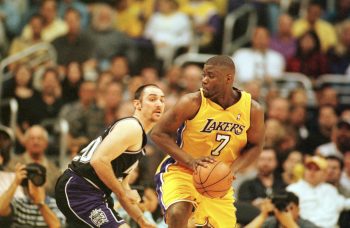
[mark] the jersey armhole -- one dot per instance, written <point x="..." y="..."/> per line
<point x="202" y="103"/>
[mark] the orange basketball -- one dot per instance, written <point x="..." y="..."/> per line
<point x="213" y="181"/>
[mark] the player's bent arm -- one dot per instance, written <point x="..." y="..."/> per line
<point x="255" y="139"/>
<point x="113" y="146"/>
<point x="163" y="134"/>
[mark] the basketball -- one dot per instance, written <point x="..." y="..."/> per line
<point x="214" y="181"/>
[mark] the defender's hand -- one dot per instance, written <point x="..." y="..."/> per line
<point x="133" y="196"/>
<point x="144" y="223"/>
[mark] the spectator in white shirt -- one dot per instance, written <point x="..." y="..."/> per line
<point x="168" y="29"/>
<point x="320" y="202"/>
<point x="258" y="62"/>
<point x="345" y="176"/>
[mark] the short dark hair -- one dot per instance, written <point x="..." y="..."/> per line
<point x="221" y="60"/>
<point x="336" y="158"/>
<point x="139" y="91"/>
<point x="292" y="198"/>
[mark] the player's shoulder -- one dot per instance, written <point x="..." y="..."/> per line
<point x="255" y="106"/>
<point x="192" y="98"/>
<point x="128" y="123"/>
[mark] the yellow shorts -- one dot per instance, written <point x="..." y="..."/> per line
<point x="174" y="184"/>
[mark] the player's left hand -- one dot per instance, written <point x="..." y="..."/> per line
<point x="201" y="161"/>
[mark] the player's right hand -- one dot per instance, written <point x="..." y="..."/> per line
<point x="21" y="173"/>
<point x="201" y="161"/>
<point x="144" y="223"/>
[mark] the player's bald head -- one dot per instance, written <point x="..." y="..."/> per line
<point x="224" y="61"/>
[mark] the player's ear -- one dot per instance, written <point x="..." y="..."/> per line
<point x="137" y="104"/>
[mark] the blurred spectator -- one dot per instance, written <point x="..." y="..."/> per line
<point x="255" y="90"/>
<point x="321" y="132"/>
<point x="83" y="10"/>
<point x="120" y="69"/>
<point x="6" y="178"/>
<point x="130" y="18"/>
<point x="53" y="26"/>
<point x="309" y="59"/>
<point x="36" y="24"/>
<point x="340" y="140"/>
<point x="126" y="108"/>
<point x="274" y="133"/>
<point x="297" y="120"/>
<point x="75" y="45"/>
<point x="103" y="80"/>
<point x="339" y="55"/>
<point x="36" y="209"/>
<point x="149" y="75"/>
<point x="345" y="176"/>
<point x="327" y="95"/>
<point x="292" y="167"/>
<point x="334" y="171"/>
<point x="191" y="78"/>
<point x="341" y="12"/>
<point x="206" y="23"/>
<point x="320" y="202"/>
<point x="36" y="142"/>
<point x="151" y="208"/>
<point x="345" y="114"/>
<point x="109" y="42"/>
<point x="134" y="83"/>
<point x="50" y="102"/>
<point x="169" y="30"/>
<point x="100" y="117"/>
<point x="74" y="113"/>
<point x="10" y="18"/>
<point x="325" y="31"/>
<point x="71" y="82"/>
<point x="258" y="62"/>
<point x="283" y="41"/>
<point x="266" y="183"/>
<point x="298" y="97"/>
<point x="279" y="109"/>
<point x="21" y="88"/>
<point x="282" y="217"/>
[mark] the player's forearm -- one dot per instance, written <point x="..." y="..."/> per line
<point x="5" y="199"/>
<point x="247" y="156"/>
<point x="167" y="144"/>
<point x="105" y="172"/>
<point x="133" y="210"/>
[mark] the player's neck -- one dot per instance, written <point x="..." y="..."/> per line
<point x="146" y="124"/>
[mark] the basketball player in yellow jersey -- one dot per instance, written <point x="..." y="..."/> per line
<point x="216" y="123"/>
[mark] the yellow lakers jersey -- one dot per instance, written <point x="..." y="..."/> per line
<point x="216" y="131"/>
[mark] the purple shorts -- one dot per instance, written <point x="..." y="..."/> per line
<point x="84" y="204"/>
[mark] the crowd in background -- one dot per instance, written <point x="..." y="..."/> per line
<point x="107" y="49"/>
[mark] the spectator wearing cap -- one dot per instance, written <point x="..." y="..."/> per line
<point x="320" y="202"/>
<point x="340" y="140"/>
